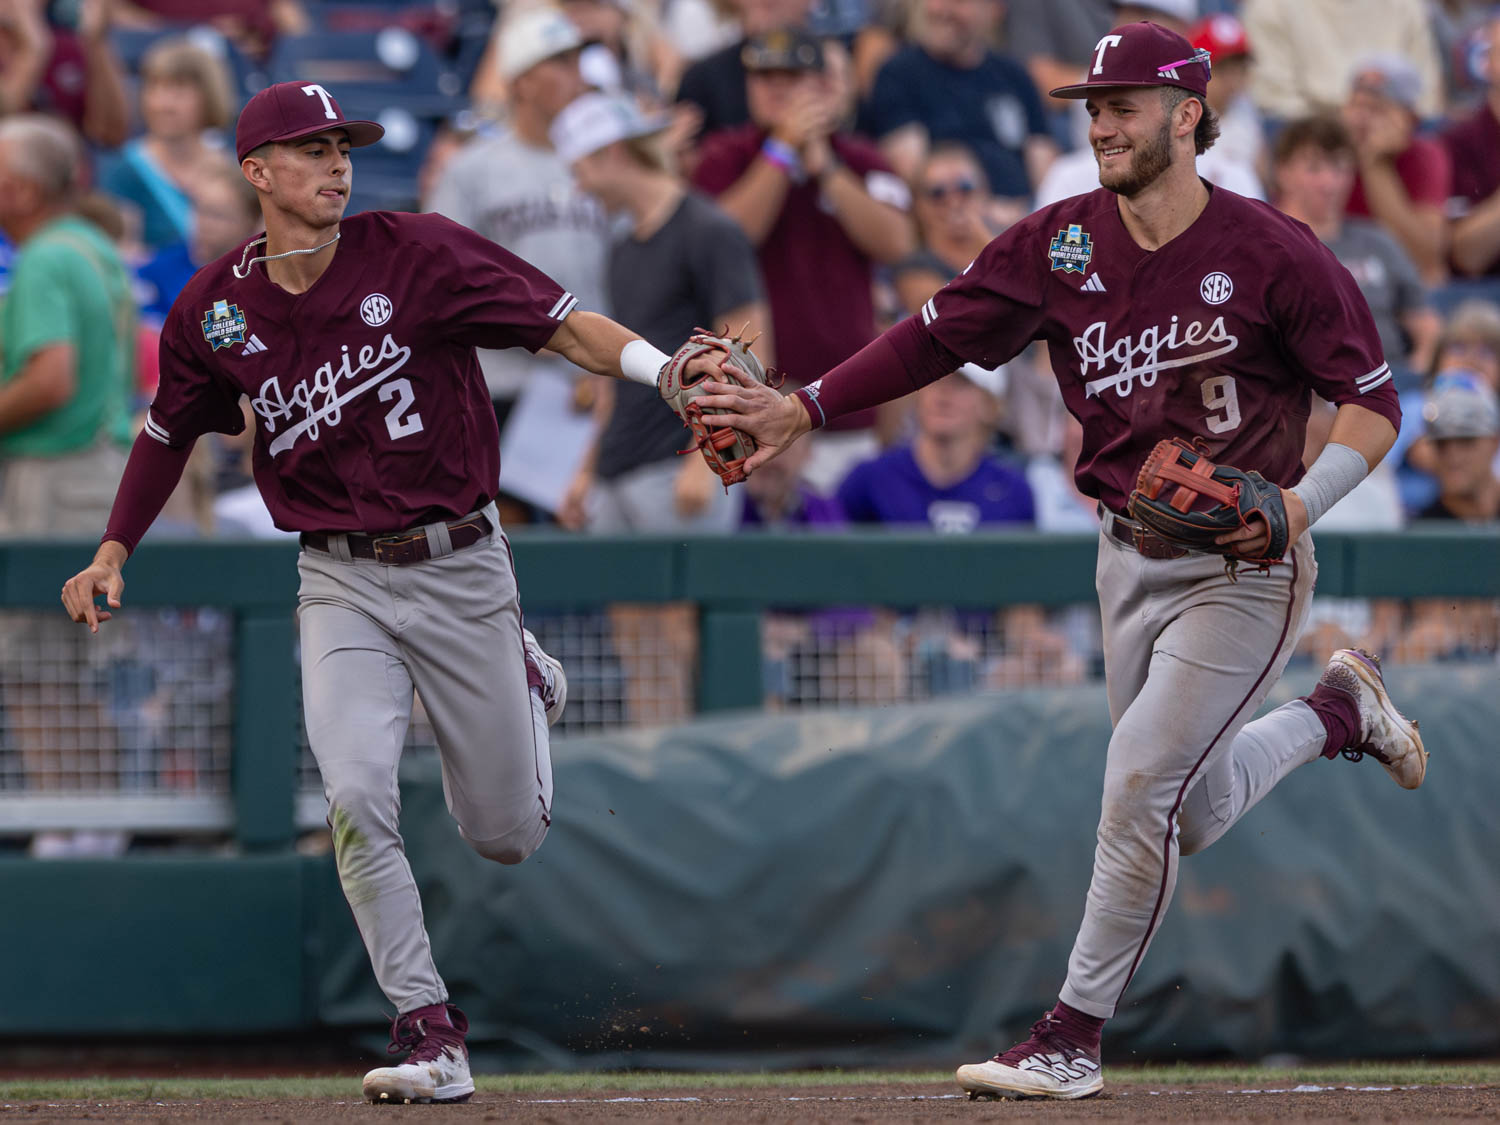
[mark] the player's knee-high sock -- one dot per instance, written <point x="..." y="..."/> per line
<point x="1263" y="753"/>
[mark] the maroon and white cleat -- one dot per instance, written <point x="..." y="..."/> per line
<point x="1385" y="733"/>
<point x="1045" y="1066"/>
<point x="437" y="1070"/>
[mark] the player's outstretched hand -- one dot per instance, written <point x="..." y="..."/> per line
<point x="102" y="576"/>
<point x="773" y="419"/>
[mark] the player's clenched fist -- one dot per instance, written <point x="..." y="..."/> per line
<point x="102" y="576"/>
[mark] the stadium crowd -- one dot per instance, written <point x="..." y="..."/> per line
<point x="804" y="171"/>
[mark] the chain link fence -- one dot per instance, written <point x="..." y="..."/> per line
<point x="132" y="729"/>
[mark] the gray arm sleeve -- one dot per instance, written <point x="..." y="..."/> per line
<point x="1330" y="478"/>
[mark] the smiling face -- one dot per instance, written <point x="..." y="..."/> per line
<point x="306" y="180"/>
<point x="1132" y="137"/>
<point x="950" y="196"/>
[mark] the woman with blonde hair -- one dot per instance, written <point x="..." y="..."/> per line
<point x="185" y="99"/>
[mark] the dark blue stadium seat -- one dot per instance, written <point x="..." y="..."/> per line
<point x="131" y="44"/>
<point x="371" y="70"/>
<point x="385" y="174"/>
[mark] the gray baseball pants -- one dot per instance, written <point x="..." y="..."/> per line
<point x="1189" y="658"/>
<point x="450" y="627"/>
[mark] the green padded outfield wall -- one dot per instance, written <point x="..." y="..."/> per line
<point x="904" y="884"/>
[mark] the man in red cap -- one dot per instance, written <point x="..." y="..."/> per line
<point x="1171" y="309"/>
<point x="375" y="439"/>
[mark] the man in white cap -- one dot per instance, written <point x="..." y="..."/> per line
<point x="513" y="189"/>
<point x="681" y="264"/>
<point x="684" y="263"/>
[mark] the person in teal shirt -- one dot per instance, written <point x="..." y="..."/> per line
<point x="67" y="343"/>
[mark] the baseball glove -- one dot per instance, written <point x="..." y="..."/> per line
<point x="724" y="449"/>
<point x="1180" y="519"/>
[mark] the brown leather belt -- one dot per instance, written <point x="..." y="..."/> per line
<point x="403" y="547"/>
<point x="1137" y="538"/>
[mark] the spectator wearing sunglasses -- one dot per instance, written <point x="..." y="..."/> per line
<point x="956" y="218"/>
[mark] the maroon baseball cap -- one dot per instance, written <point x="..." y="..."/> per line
<point x="289" y="110"/>
<point x="1143" y="54"/>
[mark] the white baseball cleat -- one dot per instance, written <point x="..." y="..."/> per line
<point x="1385" y="734"/>
<point x="1045" y="1066"/>
<point x="554" y="679"/>
<point x="437" y="1070"/>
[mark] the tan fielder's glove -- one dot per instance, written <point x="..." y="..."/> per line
<point x="724" y="449"/>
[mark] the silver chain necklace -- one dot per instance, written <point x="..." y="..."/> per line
<point x="242" y="270"/>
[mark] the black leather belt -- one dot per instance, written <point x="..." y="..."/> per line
<point x="404" y="547"/>
<point x="1137" y="538"/>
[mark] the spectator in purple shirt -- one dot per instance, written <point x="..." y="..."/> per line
<point x="946" y="477"/>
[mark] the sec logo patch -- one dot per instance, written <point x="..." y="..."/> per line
<point x="1216" y="288"/>
<point x="375" y="309"/>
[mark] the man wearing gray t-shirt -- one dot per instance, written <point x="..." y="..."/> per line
<point x="513" y="189"/>
<point x="683" y="265"/>
<point x="1312" y="173"/>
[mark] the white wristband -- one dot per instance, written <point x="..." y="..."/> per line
<point x="1330" y="478"/>
<point x="641" y="362"/>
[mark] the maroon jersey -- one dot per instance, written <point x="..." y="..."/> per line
<point x="1218" y="335"/>
<point x="371" y="411"/>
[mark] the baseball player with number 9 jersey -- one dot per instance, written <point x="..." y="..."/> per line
<point x="354" y="343"/>
<point x="1171" y="309"/>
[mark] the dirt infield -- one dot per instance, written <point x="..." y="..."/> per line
<point x="816" y="1104"/>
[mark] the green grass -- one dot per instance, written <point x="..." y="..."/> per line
<point x="583" y="1085"/>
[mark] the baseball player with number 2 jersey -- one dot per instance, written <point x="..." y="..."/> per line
<point x="1171" y="309"/>
<point x="353" y="341"/>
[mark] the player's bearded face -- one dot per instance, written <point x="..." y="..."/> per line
<point x="1149" y="157"/>
<point x="1132" y="141"/>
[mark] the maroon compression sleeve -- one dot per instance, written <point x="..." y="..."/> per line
<point x="150" y="477"/>
<point x="895" y="363"/>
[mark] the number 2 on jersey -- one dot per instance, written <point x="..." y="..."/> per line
<point x="1218" y="395"/>
<point x="400" y="390"/>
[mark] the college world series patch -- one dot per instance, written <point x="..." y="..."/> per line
<point x="1071" y="250"/>
<point x="223" y="325"/>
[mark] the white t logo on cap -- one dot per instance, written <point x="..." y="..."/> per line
<point x="1104" y="44"/>
<point x="332" y="114"/>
